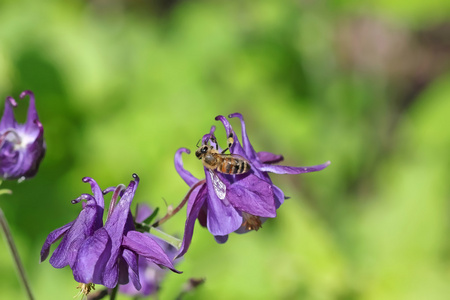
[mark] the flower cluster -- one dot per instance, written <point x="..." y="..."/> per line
<point x="225" y="202"/>
<point x="109" y="253"/>
<point x="22" y="146"/>
<point x="236" y="195"/>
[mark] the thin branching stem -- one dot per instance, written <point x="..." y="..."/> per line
<point x="15" y="254"/>
<point x="180" y="206"/>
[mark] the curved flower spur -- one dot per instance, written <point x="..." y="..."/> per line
<point x="105" y="254"/>
<point x="22" y="146"/>
<point x="226" y="201"/>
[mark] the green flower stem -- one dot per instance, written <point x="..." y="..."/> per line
<point x="15" y="254"/>
<point x="180" y="206"/>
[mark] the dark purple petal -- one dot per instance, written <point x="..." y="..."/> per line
<point x="252" y="195"/>
<point x="87" y="222"/>
<point x="292" y="170"/>
<point x="269" y="158"/>
<point x="190" y="220"/>
<point x="123" y="268"/>
<point x="92" y="258"/>
<point x="185" y="175"/>
<point x="145" y="246"/>
<point x="52" y="238"/>
<point x="221" y="239"/>
<point x="131" y="259"/>
<point x="203" y="215"/>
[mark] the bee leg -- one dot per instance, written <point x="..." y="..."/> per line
<point x="230" y="140"/>
<point x="215" y="141"/>
<point x="223" y="151"/>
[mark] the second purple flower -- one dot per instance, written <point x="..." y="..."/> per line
<point x="107" y="253"/>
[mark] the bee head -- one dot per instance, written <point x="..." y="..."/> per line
<point x="201" y="151"/>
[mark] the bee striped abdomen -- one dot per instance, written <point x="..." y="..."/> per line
<point x="232" y="166"/>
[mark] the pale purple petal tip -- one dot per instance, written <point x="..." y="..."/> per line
<point x="185" y="175"/>
<point x="292" y="170"/>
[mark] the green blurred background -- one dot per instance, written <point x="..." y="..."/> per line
<point x="121" y="85"/>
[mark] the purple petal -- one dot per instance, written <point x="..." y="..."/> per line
<point x="131" y="259"/>
<point x="236" y="146"/>
<point x="32" y="115"/>
<point x="252" y="195"/>
<point x="53" y="237"/>
<point x="87" y="222"/>
<point x="193" y="196"/>
<point x="115" y="226"/>
<point x="292" y="170"/>
<point x="190" y="220"/>
<point x="249" y="151"/>
<point x="222" y="219"/>
<point x="269" y="158"/>
<point x="185" y="175"/>
<point x="207" y="137"/>
<point x="143" y="211"/>
<point x="96" y="190"/>
<point x="279" y="196"/>
<point x="145" y="246"/>
<point x="92" y="258"/>
<point x="8" y="121"/>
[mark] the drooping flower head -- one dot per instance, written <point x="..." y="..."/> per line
<point x="22" y="146"/>
<point x="226" y="203"/>
<point x="150" y="275"/>
<point x="104" y="254"/>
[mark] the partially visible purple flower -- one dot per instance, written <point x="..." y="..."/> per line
<point x="22" y="146"/>
<point x="150" y="276"/>
<point x="234" y="203"/>
<point x="104" y="254"/>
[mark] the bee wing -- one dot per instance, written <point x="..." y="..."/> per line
<point x="237" y="156"/>
<point x="219" y="187"/>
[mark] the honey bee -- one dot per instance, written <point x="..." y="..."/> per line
<point x="214" y="160"/>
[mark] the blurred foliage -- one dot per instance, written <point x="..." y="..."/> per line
<point x="120" y="85"/>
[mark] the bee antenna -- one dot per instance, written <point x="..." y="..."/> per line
<point x="198" y="142"/>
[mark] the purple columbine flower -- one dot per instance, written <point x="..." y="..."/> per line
<point x="234" y="203"/>
<point x="22" y="146"/>
<point x="104" y="254"/>
<point x="149" y="274"/>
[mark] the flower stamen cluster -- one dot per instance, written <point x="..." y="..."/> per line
<point x="85" y="289"/>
